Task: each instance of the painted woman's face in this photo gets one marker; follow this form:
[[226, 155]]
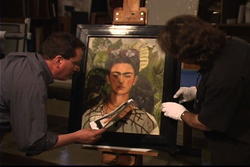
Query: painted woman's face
[[121, 78]]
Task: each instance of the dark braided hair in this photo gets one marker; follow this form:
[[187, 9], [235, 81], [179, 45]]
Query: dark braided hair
[[130, 56]]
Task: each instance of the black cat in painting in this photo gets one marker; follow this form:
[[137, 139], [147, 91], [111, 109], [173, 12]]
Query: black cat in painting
[[143, 94]]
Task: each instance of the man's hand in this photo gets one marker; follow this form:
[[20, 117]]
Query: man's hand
[[88, 136], [186, 94], [173, 110]]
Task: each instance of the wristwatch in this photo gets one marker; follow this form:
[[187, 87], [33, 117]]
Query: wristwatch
[[184, 112]]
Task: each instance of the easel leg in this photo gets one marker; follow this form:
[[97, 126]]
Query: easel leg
[[113, 159]]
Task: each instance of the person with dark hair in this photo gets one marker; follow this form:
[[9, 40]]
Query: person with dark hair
[[23, 92], [222, 97], [122, 73]]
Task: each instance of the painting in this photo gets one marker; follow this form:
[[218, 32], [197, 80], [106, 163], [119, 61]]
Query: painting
[[125, 61]]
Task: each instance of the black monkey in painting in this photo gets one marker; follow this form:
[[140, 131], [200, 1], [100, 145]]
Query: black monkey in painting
[[94, 92]]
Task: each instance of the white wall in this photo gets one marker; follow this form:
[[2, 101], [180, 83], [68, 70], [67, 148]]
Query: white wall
[[159, 11]]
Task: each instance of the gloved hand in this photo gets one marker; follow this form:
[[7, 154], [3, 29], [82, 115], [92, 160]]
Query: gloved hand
[[173, 110], [186, 94]]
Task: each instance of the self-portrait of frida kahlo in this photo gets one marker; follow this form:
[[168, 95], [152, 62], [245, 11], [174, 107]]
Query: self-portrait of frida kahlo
[[119, 69]]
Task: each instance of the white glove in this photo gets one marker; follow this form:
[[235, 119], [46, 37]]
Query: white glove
[[186, 94], [173, 110]]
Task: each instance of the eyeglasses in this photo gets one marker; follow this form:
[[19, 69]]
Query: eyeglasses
[[77, 64]]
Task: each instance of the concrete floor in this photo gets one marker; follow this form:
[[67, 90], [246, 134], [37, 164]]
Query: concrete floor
[[74, 154]]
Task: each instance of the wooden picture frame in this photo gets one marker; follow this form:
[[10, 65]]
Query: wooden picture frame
[[162, 71]]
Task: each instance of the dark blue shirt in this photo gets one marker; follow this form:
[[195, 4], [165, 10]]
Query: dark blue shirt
[[23, 92]]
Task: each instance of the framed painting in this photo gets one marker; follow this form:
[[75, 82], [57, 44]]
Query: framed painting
[[125, 61]]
